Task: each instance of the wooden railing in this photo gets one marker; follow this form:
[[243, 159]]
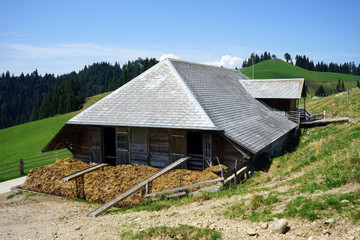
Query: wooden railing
[[22, 164], [294, 116]]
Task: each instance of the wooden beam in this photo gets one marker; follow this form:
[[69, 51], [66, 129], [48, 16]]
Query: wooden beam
[[179, 194], [235, 174], [68, 148], [82, 172], [184, 187]]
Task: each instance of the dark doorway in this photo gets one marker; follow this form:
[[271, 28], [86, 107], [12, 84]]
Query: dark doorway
[[194, 142], [109, 145], [195, 150]]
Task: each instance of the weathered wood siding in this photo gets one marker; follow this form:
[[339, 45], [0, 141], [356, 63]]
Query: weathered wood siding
[[152, 146], [159, 147], [178, 145], [224, 151], [139, 146], [82, 144], [122, 152]]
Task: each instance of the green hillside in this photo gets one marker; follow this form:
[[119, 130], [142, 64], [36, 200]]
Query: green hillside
[[276, 68], [26, 140]]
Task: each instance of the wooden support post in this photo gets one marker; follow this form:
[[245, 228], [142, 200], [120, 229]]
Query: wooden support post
[[147, 188], [236, 180], [348, 95], [222, 175], [332, 113], [21, 166], [179, 181]]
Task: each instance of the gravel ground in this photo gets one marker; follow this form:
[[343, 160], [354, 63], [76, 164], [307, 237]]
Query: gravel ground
[[52, 217]]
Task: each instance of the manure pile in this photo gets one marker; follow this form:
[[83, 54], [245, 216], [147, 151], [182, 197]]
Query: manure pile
[[107, 182]]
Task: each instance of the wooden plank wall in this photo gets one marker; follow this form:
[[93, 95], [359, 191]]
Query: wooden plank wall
[[138, 153], [225, 152], [159, 147], [83, 147]]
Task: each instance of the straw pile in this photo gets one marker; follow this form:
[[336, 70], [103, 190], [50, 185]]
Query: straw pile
[[107, 182]]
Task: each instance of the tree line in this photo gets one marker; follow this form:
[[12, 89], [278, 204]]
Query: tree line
[[346, 68], [32, 96], [254, 58]]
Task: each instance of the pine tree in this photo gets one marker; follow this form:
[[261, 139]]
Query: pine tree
[[338, 86], [320, 91], [342, 87]]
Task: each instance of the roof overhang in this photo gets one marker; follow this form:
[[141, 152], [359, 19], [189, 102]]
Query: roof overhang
[[63, 139]]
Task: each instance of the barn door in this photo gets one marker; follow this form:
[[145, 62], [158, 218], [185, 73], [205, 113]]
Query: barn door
[[122, 148], [207, 155], [178, 146], [95, 146]]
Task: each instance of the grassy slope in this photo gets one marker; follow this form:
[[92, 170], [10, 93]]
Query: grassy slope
[[27, 140], [337, 104], [312, 178], [277, 68]]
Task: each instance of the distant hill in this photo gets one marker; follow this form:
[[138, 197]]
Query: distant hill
[[276, 68]]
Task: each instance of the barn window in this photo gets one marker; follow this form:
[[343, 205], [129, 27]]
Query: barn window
[[95, 140], [121, 141], [139, 135]]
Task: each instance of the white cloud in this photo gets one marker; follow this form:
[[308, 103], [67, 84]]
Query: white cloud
[[169, 55], [227, 61], [74, 50]]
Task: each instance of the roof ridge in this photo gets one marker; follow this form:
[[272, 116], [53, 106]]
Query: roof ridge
[[202, 64], [272, 79], [190, 92]]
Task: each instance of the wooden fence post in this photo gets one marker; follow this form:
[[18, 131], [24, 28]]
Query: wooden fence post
[[21, 166], [180, 181], [348, 95]]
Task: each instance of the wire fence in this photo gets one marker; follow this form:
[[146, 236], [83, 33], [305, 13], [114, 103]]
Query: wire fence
[[25, 164]]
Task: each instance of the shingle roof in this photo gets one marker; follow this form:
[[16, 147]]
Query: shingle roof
[[274, 88], [178, 94], [156, 98], [230, 107]]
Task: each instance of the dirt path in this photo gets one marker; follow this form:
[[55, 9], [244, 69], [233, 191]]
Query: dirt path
[[50, 217]]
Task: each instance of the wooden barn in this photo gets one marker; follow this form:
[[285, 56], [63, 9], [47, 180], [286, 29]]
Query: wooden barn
[[178, 109]]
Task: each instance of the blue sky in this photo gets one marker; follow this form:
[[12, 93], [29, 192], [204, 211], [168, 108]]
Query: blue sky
[[63, 36]]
